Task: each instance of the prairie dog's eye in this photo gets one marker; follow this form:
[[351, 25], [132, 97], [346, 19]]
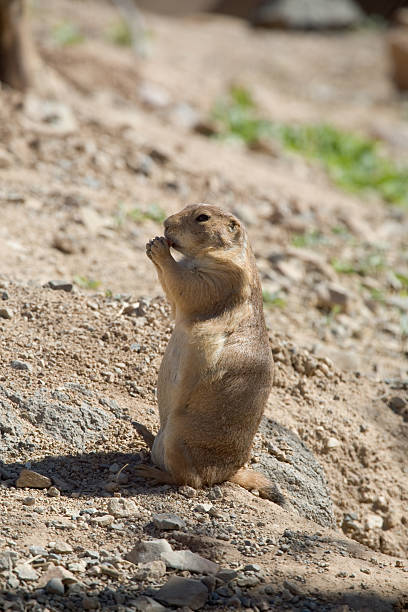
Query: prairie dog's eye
[[202, 218]]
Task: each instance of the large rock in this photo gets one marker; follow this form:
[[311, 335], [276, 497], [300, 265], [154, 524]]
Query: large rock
[[295, 470]]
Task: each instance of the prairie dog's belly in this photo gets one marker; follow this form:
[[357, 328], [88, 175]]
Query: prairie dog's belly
[[171, 372], [188, 356]]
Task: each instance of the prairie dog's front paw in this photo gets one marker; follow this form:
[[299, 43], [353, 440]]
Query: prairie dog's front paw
[[158, 249]]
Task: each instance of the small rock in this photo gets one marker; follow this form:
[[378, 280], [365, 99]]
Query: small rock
[[168, 521], [247, 581], [187, 491], [90, 603], [20, 365], [120, 507], [332, 443], [55, 586], [60, 285], [61, 548], [391, 520], [151, 571], [38, 550], [103, 521], [183, 592], [204, 508], [147, 604], [53, 492], [187, 560], [26, 572], [331, 295], [28, 501], [226, 575], [215, 493], [109, 570], [6, 313], [373, 521], [78, 567], [148, 550], [57, 571], [252, 567], [7, 560], [32, 480]]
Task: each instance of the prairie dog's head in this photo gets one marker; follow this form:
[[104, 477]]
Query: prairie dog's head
[[201, 229]]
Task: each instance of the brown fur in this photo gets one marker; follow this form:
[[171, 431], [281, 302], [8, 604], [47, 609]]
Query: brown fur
[[216, 373]]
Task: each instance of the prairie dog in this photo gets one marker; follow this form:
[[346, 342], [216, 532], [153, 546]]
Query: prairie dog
[[216, 373]]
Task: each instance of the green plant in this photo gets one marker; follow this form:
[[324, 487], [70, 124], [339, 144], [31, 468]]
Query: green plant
[[370, 264], [403, 279], [86, 283], [153, 212], [236, 117], [66, 33], [120, 33], [273, 298], [309, 239], [343, 266], [353, 162]]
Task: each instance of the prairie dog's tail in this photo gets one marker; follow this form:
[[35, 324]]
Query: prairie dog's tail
[[249, 479]]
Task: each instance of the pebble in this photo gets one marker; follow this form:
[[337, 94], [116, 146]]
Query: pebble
[[204, 508], [121, 507], [183, 592], [147, 604], [20, 365], [152, 570], [32, 480], [373, 521], [53, 492], [7, 559], [332, 443], [90, 603], [61, 548], [28, 501], [215, 493], [187, 491], [168, 521], [26, 572], [148, 550], [226, 575], [56, 586], [102, 521], [6, 313], [37, 550], [57, 571], [60, 285], [78, 567], [109, 570], [187, 560]]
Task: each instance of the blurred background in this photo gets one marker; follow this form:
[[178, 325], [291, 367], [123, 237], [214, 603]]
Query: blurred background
[[291, 113]]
